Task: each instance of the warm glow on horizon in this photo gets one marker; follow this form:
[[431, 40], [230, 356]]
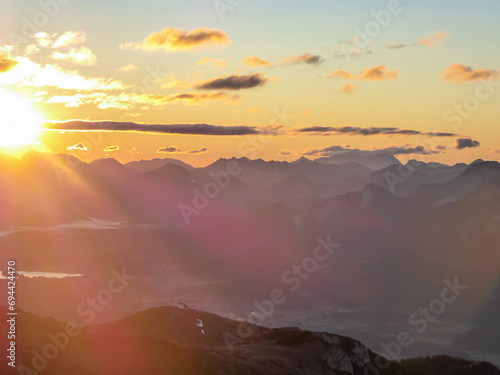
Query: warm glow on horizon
[[20, 122]]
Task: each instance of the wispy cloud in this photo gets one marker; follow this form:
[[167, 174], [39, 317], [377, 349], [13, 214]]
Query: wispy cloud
[[256, 61], [306, 58], [371, 131], [211, 62], [347, 151], [128, 68], [376, 73], [434, 39], [348, 88]]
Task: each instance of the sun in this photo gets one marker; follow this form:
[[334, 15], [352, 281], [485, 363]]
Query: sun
[[20, 123]]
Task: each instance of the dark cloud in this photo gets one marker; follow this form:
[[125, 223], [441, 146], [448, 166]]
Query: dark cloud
[[234, 82], [350, 130], [346, 151], [199, 151], [178, 150], [188, 129], [6, 63], [466, 143], [286, 153], [305, 58], [169, 150]]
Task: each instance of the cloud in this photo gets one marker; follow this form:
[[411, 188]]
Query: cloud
[[128, 68], [29, 73], [341, 74], [285, 153], [78, 146], [353, 48], [169, 150], [434, 39], [371, 131], [211, 62], [376, 73], [234, 82], [305, 58], [206, 129], [174, 40], [128, 101], [6, 63], [43, 39], [347, 88], [112, 148], [459, 73], [187, 129], [256, 61], [190, 98], [178, 150], [466, 143], [82, 56], [198, 151], [396, 45], [69, 38], [347, 151]]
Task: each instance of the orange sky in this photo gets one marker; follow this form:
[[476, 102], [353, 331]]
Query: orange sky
[[368, 77]]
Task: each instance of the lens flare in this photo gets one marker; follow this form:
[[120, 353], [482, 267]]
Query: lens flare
[[20, 123]]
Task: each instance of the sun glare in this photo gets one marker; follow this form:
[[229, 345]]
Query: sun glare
[[20, 123]]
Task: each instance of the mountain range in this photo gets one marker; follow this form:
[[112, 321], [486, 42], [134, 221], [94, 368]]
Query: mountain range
[[225, 235]]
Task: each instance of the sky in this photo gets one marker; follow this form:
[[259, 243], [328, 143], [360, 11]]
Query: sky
[[278, 80]]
